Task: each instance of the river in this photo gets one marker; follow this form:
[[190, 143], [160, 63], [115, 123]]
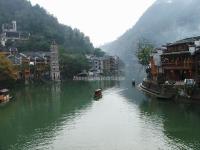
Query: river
[[65, 117]]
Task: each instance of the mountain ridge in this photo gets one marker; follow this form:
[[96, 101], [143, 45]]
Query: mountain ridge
[[165, 21]]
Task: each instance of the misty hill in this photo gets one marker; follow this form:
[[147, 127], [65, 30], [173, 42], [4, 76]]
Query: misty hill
[[165, 21], [43, 27]]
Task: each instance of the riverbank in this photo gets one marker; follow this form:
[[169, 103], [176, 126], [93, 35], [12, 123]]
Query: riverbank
[[176, 91]]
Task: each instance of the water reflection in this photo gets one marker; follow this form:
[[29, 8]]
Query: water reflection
[[180, 122], [177, 124], [39, 111], [65, 116]]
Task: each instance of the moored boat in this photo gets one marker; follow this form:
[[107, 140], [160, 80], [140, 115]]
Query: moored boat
[[163, 91], [4, 95]]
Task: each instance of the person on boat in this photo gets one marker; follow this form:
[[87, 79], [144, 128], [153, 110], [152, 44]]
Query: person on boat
[[133, 82], [98, 93]]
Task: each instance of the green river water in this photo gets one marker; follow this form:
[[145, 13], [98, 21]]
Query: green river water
[[65, 117]]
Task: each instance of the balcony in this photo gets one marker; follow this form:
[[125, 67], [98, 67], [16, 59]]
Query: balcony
[[177, 65]]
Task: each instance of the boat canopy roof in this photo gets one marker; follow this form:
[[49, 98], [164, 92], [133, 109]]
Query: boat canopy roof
[[98, 90], [4, 90]]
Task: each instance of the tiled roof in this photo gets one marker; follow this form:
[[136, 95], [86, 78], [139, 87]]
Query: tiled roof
[[187, 40], [10, 34], [15, 59], [40, 55]]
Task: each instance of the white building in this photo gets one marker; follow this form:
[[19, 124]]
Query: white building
[[54, 63], [9, 32], [96, 65], [106, 65]]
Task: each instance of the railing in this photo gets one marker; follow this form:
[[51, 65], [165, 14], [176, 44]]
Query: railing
[[178, 64], [175, 50]]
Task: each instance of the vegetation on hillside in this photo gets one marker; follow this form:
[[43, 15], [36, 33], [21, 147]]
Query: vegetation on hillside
[[160, 26], [98, 52], [43, 28], [71, 65]]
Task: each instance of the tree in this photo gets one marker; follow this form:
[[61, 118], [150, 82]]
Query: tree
[[98, 52], [144, 50], [73, 64], [8, 72]]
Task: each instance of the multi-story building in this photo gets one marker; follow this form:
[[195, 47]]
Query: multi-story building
[[39, 64], [178, 74], [110, 65], [9, 32], [35, 65], [107, 65], [179, 60], [96, 65], [29, 65], [21, 63]]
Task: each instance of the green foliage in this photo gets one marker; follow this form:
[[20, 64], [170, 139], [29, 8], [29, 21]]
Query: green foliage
[[43, 27], [73, 64], [144, 51], [98, 52], [8, 72]]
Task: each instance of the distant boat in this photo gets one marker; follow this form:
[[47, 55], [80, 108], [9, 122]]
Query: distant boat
[[4, 95], [133, 82], [98, 94]]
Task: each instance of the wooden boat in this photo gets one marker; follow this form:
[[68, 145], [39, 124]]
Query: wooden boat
[[160, 92], [153, 93], [4, 95], [98, 94]]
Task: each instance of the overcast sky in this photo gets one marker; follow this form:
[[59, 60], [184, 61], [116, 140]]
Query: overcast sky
[[102, 20]]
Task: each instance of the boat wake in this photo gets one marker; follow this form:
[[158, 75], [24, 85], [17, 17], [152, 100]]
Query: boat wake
[[114, 91]]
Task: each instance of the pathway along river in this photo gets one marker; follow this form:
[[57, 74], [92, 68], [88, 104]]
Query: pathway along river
[[65, 117]]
